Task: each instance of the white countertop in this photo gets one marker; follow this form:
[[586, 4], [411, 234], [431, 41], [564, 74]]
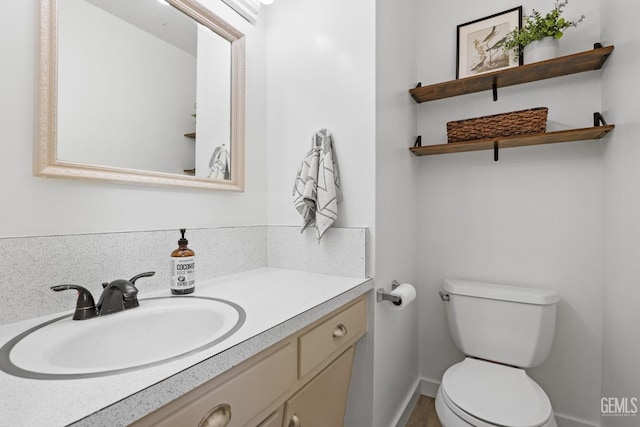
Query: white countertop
[[277, 303]]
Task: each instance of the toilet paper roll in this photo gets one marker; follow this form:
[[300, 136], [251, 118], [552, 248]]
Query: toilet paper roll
[[406, 292]]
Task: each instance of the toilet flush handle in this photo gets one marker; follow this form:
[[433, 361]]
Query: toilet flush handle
[[444, 296]]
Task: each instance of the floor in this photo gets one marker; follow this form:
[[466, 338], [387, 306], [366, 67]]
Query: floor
[[424, 414]]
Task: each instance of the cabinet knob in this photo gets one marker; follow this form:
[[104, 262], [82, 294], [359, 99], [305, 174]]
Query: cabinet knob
[[295, 421], [340, 331], [217, 417]]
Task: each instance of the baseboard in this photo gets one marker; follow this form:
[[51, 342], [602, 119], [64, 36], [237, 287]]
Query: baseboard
[[420, 386], [407, 406], [429, 387]]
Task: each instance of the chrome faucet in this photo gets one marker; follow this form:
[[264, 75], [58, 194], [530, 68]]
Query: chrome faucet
[[118, 295]]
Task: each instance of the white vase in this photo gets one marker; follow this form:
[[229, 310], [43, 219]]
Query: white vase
[[541, 50]]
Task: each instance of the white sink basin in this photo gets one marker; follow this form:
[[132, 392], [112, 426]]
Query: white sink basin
[[158, 331]]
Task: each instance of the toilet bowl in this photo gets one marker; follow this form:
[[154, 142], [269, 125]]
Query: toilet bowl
[[501, 330], [485, 394]]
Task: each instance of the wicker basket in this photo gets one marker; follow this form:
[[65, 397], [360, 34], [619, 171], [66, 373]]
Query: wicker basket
[[533, 120]]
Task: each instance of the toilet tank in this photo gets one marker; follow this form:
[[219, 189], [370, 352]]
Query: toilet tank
[[507, 324]]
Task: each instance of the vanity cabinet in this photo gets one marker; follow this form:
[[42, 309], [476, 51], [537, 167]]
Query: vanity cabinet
[[301, 380]]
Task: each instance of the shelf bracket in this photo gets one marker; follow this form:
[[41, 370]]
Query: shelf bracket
[[495, 151], [598, 119], [415, 98], [494, 87], [418, 142]]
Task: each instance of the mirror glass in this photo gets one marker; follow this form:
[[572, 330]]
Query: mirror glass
[[149, 91]]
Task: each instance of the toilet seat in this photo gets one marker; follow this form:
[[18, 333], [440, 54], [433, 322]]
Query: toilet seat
[[489, 394]]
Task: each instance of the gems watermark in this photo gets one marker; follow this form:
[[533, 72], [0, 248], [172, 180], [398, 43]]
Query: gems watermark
[[619, 406]]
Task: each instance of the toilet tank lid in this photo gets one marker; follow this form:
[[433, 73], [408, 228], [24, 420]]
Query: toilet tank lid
[[501, 292]]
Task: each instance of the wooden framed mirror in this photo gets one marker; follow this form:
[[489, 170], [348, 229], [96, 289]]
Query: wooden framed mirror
[[148, 92]]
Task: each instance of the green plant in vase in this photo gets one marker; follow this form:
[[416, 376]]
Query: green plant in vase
[[537, 27]]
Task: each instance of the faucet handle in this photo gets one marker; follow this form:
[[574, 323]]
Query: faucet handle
[[85, 305], [132, 303], [138, 276]]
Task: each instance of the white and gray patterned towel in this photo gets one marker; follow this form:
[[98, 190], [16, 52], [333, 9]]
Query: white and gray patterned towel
[[219, 164], [316, 191]]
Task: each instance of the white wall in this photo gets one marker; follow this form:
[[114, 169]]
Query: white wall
[[533, 219], [396, 332], [39, 206], [620, 94], [321, 73], [145, 86]]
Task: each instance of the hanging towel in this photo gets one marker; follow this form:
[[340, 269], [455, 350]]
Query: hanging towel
[[317, 187], [219, 164]]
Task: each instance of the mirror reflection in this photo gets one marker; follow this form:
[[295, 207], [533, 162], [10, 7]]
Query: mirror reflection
[[143, 87]]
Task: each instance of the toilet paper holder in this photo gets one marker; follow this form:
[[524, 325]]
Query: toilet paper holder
[[382, 295]]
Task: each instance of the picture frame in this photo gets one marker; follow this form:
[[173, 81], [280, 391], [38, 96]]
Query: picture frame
[[478, 44]]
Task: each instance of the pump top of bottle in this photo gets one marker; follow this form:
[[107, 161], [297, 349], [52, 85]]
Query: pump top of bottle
[[183, 241]]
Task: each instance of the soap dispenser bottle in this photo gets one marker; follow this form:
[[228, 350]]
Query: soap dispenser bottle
[[183, 271]]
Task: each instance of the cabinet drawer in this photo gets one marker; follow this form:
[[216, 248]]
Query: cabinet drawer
[[330, 336], [246, 394]]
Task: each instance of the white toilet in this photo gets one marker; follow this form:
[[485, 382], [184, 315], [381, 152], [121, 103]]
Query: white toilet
[[501, 330]]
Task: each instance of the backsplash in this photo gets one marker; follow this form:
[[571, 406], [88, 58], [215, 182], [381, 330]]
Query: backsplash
[[341, 251], [30, 265]]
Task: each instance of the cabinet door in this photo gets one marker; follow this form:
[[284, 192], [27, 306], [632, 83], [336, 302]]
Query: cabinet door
[[323, 401]]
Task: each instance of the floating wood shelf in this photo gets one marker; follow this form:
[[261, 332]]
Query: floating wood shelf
[[565, 65], [595, 132], [190, 135]]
